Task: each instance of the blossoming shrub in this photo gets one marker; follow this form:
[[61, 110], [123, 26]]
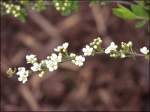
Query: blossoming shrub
[[61, 55]]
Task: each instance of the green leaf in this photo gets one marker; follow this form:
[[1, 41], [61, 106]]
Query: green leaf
[[139, 10], [124, 13], [140, 24]]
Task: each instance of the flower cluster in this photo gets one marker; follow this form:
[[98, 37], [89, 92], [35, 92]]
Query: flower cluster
[[65, 7], [52, 62], [111, 48], [77, 59], [126, 49], [23, 74], [16, 9], [31, 58], [62, 48], [93, 47], [12, 9], [61, 54]]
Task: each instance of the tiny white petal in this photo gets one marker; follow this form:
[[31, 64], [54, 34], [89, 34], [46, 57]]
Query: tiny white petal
[[87, 50], [95, 47], [111, 47], [65, 45], [79, 60], [144, 50], [36, 67], [72, 55], [31, 58]]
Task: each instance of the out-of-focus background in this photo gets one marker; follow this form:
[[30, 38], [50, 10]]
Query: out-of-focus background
[[101, 84]]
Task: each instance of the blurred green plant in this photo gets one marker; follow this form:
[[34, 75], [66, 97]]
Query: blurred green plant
[[66, 7], [136, 12], [18, 9], [13, 9]]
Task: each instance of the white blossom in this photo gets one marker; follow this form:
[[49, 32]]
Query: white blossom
[[99, 40], [111, 47], [123, 55], [56, 4], [144, 50], [129, 43], [23, 78], [63, 47], [95, 46], [125, 45], [51, 65], [21, 71], [72, 55], [43, 62], [36, 67], [31, 58], [87, 50], [23, 74], [79, 60], [56, 58], [41, 74]]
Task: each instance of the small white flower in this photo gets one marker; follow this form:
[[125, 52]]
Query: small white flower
[[72, 55], [56, 58], [23, 74], [79, 60], [87, 50], [31, 58], [63, 47], [65, 4], [63, 8], [144, 50], [23, 78], [58, 49], [51, 65], [111, 47], [95, 46], [56, 4], [18, 7], [92, 43], [41, 74], [99, 39], [21, 71], [123, 55], [36, 67], [58, 8], [129, 43]]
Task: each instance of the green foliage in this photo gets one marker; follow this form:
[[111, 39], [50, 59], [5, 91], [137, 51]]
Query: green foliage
[[66, 7], [14, 10], [137, 12], [39, 5], [140, 24], [124, 13], [18, 8]]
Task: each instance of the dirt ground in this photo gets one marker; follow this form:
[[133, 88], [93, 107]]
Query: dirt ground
[[101, 84]]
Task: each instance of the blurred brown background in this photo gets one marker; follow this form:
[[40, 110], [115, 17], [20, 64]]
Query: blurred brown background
[[101, 84]]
